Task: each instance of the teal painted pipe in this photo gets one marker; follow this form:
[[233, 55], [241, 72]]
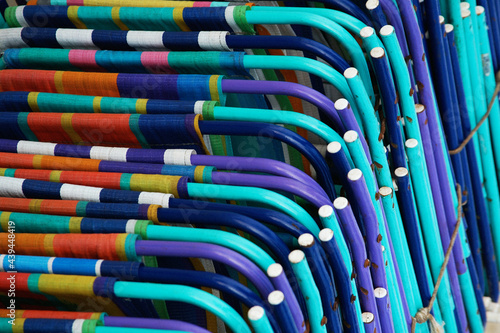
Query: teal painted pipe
[[180, 293], [494, 122], [350, 23], [473, 316], [326, 235], [384, 178], [280, 117], [309, 289], [406, 101], [361, 162], [347, 21], [218, 237], [317, 19], [370, 40], [490, 82], [304, 64], [329, 220], [372, 127], [330, 223], [455, 17], [403, 83], [430, 231], [472, 8], [270, 198], [372, 189], [402, 251], [486, 150], [258, 319], [407, 104], [477, 83]]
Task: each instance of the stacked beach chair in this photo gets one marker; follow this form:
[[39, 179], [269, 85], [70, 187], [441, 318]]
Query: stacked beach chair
[[273, 166]]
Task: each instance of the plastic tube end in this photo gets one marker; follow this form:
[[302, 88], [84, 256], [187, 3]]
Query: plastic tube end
[[366, 32], [372, 4], [387, 30], [276, 297], [256, 313], [341, 104], [351, 73], [325, 211], [350, 136], [326, 235], [296, 256], [380, 292], [367, 317], [334, 147], [340, 203], [419, 108], [274, 270], [355, 174], [306, 240], [377, 52], [401, 172], [385, 191], [411, 143]]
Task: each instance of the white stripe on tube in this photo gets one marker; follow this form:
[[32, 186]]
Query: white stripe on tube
[[98, 265], [109, 154], [178, 156], [130, 226], [152, 198], [2, 258], [50, 264], [80, 193], [76, 39], [198, 107], [77, 326], [11, 38], [213, 40], [229, 15], [20, 17], [146, 40], [11, 187], [40, 148]]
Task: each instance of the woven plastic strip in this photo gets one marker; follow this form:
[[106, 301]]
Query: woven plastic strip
[[54, 224], [20, 101], [95, 246], [59, 285], [44, 325], [71, 266], [168, 87], [100, 3], [136, 62], [161, 156], [130, 3], [53, 314], [117, 181], [113, 40], [135, 131], [127, 18], [26, 188], [80, 208], [198, 174], [73, 285]]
